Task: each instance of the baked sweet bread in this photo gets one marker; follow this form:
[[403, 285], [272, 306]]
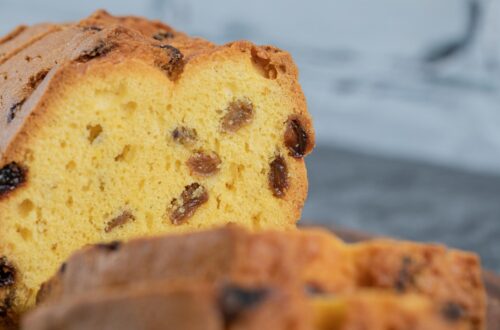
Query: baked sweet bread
[[117, 127], [311, 260], [224, 306]]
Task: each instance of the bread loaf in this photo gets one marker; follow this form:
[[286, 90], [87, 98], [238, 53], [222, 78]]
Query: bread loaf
[[117, 127], [312, 260]]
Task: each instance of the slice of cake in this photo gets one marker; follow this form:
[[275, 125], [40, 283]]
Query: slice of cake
[[116, 127], [310, 260], [226, 306]]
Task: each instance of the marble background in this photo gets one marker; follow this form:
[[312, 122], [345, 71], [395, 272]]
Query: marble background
[[405, 97]]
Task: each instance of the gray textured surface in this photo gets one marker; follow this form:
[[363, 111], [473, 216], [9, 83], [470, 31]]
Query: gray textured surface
[[404, 199]]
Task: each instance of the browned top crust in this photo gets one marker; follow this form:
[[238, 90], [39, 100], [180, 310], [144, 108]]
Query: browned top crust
[[31, 59]]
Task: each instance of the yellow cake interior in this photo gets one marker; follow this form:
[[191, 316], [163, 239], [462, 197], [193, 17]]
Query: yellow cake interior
[[105, 150]]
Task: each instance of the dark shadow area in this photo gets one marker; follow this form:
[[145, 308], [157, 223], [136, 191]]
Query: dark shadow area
[[405, 199]]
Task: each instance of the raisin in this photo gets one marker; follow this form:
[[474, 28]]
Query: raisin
[[184, 135], [92, 28], [174, 66], [62, 269], [4, 308], [239, 113], [452, 311], [313, 289], [7, 273], [234, 300], [262, 63], [111, 246], [405, 276], [101, 48], [36, 79], [13, 110], [296, 138], [204, 164], [193, 196], [278, 177], [12, 175], [162, 35], [119, 221], [8, 319]]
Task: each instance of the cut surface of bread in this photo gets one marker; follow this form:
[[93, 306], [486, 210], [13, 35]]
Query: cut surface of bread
[[201, 305], [112, 128], [312, 260]]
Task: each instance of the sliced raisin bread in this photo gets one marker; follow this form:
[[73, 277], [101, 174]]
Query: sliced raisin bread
[[224, 306], [312, 260], [117, 127]]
